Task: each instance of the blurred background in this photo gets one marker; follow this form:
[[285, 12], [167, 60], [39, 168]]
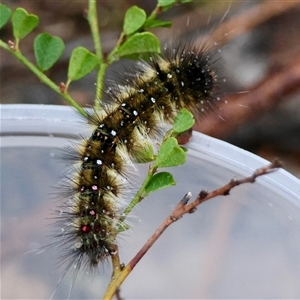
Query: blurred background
[[259, 45], [236, 248]]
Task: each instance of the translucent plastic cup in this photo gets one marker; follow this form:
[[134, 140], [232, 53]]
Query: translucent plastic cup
[[245, 245]]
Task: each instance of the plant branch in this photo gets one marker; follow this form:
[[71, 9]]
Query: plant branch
[[183, 208], [93, 21], [115, 258], [42, 77], [140, 193]]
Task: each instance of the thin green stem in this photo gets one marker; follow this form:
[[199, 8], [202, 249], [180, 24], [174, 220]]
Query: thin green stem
[[141, 194], [43, 78], [156, 11], [111, 56], [93, 21], [116, 283], [100, 84]]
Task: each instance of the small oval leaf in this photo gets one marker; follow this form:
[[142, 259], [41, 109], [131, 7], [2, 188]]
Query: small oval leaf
[[47, 50], [5, 13], [23, 23], [183, 121], [82, 62], [159, 181], [170, 154], [135, 18], [138, 43]]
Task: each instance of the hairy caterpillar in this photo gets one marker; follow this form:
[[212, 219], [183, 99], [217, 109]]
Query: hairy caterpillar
[[135, 114]]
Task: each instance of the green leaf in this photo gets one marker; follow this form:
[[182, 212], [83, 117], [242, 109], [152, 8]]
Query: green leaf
[[138, 43], [135, 18], [23, 23], [164, 3], [183, 121], [159, 181], [154, 23], [170, 154], [82, 62], [5, 13], [47, 50]]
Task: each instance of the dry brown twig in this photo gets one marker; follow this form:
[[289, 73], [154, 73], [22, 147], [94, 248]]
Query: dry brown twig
[[182, 208]]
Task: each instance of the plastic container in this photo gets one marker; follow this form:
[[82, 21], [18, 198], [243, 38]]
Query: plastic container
[[245, 245]]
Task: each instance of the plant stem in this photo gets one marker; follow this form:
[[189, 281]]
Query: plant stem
[[100, 84], [140, 193], [115, 259], [116, 283], [181, 209], [93, 21], [43, 78]]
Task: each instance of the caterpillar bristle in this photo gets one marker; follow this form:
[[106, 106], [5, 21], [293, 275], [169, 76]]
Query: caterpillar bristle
[[135, 115]]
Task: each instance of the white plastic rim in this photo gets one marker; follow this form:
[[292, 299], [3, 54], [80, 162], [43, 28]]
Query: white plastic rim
[[245, 245], [63, 121]]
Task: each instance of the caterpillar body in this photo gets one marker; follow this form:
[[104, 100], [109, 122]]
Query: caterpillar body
[[134, 114]]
